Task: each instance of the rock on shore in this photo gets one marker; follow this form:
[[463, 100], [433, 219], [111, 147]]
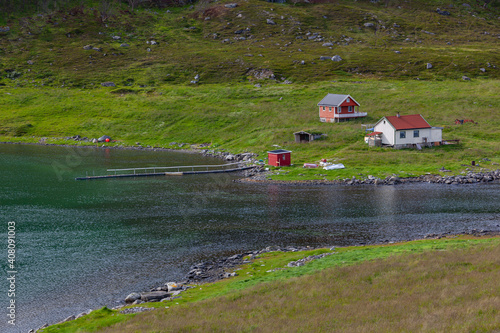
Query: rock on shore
[[469, 178]]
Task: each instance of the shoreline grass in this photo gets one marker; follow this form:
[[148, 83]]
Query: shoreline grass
[[240, 118], [437, 285]]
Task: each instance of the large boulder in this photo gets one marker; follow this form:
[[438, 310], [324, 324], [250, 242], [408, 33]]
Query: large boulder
[[154, 296], [132, 297]]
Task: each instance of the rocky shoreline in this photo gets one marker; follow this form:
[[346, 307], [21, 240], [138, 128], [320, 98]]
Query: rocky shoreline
[[470, 178]]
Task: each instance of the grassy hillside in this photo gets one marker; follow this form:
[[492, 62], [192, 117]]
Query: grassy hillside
[[432, 285], [50, 86], [235, 44], [245, 118]]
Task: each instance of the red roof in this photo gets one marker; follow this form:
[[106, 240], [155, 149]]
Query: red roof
[[411, 121], [374, 133]]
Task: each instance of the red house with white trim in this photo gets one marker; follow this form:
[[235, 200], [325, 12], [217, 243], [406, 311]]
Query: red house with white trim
[[279, 157], [336, 108]]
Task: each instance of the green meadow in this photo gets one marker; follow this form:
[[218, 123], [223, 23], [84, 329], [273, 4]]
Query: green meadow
[[433, 285], [259, 77], [242, 118]]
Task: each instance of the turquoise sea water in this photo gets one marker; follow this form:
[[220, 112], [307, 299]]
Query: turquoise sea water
[[84, 244]]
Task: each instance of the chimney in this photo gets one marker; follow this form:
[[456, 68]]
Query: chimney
[[398, 115]]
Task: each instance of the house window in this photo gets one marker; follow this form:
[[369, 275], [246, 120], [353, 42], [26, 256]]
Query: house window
[[416, 133], [348, 99], [350, 109], [330, 109], [402, 135], [339, 109], [324, 108], [284, 157]]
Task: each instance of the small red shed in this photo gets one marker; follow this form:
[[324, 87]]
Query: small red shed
[[279, 157]]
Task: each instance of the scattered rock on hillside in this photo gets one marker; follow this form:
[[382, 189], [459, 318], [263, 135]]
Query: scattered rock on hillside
[[369, 25], [104, 138], [260, 74], [116, 37], [324, 58], [231, 5], [269, 21], [443, 12], [328, 44], [482, 69], [465, 78], [87, 47], [30, 62], [4, 29], [336, 58], [108, 84], [428, 66], [137, 309], [124, 45]]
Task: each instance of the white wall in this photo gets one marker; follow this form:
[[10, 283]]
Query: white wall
[[436, 134], [423, 133], [387, 131]]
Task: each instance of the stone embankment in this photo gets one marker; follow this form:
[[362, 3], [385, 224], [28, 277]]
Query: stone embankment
[[243, 157], [469, 178]]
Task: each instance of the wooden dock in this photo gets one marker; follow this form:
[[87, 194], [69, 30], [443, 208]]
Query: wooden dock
[[171, 171]]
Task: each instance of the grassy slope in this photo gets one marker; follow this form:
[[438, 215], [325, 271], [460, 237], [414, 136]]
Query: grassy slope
[[243, 117], [60, 93], [431, 285]]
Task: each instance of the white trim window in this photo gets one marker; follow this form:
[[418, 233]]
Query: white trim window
[[349, 109], [402, 135], [416, 133]]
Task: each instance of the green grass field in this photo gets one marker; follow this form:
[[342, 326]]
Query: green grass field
[[242, 118], [50, 86], [428, 285]]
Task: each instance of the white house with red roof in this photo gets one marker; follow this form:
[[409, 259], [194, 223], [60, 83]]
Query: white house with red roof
[[407, 131], [335, 108]]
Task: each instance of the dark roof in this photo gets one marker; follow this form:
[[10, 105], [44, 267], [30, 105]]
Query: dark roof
[[334, 100], [279, 151], [412, 121]]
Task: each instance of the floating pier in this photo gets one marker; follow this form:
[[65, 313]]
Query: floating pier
[[171, 171]]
